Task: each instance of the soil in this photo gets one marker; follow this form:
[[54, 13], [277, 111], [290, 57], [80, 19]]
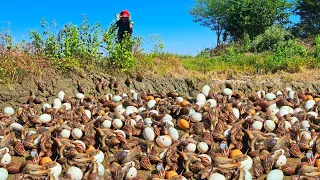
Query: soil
[[16, 94]]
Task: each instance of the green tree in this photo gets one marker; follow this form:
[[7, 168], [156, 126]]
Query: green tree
[[309, 12], [235, 18]]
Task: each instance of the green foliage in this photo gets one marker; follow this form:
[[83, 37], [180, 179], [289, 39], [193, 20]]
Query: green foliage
[[269, 39], [309, 24], [158, 45], [235, 18], [6, 41], [316, 50]]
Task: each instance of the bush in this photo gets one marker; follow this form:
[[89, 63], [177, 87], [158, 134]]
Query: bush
[[269, 39], [317, 47]]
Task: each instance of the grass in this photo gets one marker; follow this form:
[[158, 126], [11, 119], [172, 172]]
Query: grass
[[73, 49]]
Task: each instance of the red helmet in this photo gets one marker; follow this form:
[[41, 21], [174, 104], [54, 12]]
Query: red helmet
[[125, 13]]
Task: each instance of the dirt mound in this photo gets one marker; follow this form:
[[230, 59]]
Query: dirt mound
[[17, 94]]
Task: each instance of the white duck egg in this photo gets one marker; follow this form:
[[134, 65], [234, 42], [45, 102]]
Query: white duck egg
[[196, 117], [67, 105], [227, 91], [283, 112], [135, 96], [156, 112], [147, 121], [179, 99], [88, 113], [248, 175], [99, 157], [309, 104], [191, 147], [173, 133], [305, 124], [275, 174], [191, 111], [6, 159], [117, 123], [106, 123], [80, 96], [282, 160], [61, 95], [132, 173], [269, 125], [202, 147], [8, 111], [75, 173], [247, 163], [291, 94], [151, 103], [45, 118], [129, 110], [217, 176], [167, 117], [77, 133], [16, 126], [201, 98], [213, 103], [101, 169], [65, 133], [164, 141], [257, 125], [119, 108], [56, 170], [270, 96], [148, 134], [57, 103], [236, 112], [206, 90], [3, 174], [117, 98]]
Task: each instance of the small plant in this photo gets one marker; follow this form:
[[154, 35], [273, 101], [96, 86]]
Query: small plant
[[317, 47]]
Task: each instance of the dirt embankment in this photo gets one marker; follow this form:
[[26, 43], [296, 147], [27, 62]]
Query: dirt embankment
[[16, 94]]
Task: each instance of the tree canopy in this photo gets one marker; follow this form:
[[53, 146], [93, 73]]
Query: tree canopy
[[232, 19], [309, 12]]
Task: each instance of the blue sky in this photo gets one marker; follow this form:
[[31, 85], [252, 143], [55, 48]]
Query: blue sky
[[170, 19]]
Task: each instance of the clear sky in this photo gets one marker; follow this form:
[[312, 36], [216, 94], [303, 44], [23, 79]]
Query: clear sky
[[168, 18]]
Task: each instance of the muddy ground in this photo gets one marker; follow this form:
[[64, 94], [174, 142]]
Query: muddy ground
[[16, 94]]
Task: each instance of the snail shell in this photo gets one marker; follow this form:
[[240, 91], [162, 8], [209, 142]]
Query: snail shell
[[132, 173], [151, 103], [257, 125], [269, 125], [309, 104], [6, 159], [213, 103], [201, 98], [67, 105], [56, 170], [247, 163], [282, 160]]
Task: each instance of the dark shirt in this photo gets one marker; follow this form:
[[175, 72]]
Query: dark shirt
[[124, 26]]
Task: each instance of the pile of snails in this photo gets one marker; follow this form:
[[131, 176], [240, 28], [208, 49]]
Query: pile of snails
[[215, 136]]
